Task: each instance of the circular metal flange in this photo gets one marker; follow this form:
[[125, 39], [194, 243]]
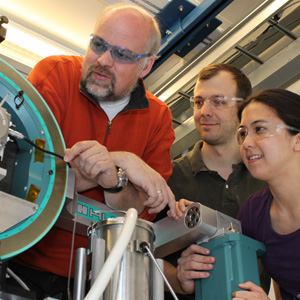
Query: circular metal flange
[[33, 118], [192, 217]]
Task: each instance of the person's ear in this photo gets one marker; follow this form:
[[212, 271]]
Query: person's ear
[[148, 66], [297, 142]]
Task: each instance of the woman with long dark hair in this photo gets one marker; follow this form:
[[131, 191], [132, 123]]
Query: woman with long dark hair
[[269, 136]]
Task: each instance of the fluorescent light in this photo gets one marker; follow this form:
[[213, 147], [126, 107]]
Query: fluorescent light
[[28, 47], [31, 43]]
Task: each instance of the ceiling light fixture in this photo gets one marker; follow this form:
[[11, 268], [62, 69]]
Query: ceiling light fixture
[[28, 47]]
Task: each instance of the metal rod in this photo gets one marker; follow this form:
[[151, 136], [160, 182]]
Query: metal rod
[[144, 246], [185, 95], [249, 54], [80, 274], [158, 284], [283, 29], [176, 121]]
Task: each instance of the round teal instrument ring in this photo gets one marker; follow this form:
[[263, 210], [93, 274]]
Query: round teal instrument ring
[[33, 119]]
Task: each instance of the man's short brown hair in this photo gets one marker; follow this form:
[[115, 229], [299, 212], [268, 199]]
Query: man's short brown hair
[[244, 88]]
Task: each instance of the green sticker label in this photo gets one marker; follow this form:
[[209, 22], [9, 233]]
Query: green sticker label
[[93, 213]]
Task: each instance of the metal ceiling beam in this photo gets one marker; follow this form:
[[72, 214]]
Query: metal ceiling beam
[[184, 25], [279, 69], [230, 40]]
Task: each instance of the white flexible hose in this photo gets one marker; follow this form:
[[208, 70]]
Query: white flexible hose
[[18, 279], [114, 257]]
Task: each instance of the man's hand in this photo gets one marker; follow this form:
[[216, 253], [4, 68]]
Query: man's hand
[[252, 291], [147, 180], [189, 265], [93, 164]]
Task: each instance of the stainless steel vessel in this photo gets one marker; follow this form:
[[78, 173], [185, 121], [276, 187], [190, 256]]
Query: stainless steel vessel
[[133, 276]]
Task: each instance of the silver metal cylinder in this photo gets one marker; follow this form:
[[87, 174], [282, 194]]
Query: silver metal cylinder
[[158, 281], [132, 279], [80, 274], [98, 247]]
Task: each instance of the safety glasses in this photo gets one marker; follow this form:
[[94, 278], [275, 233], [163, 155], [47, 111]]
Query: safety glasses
[[261, 130], [118, 54], [215, 102]]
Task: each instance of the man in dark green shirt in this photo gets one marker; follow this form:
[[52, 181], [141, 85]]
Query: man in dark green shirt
[[193, 180], [212, 173]]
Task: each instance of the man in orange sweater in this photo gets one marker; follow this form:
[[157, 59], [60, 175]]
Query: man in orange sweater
[[105, 115]]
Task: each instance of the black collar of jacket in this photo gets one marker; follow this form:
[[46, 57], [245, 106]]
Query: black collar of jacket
[[138, 99]]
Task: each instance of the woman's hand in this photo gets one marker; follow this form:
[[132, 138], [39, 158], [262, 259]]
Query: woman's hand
[[180, 208], [252, 291]]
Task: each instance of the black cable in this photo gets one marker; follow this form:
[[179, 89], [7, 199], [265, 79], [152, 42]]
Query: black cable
[[41, 149], [44, 150], [20, 136]]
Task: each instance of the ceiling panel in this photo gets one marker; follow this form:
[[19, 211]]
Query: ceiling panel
[[68, 22]]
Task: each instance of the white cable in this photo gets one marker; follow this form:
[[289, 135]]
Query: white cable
[[18, 279], [4, 99], [15, 134], [114, 257]]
